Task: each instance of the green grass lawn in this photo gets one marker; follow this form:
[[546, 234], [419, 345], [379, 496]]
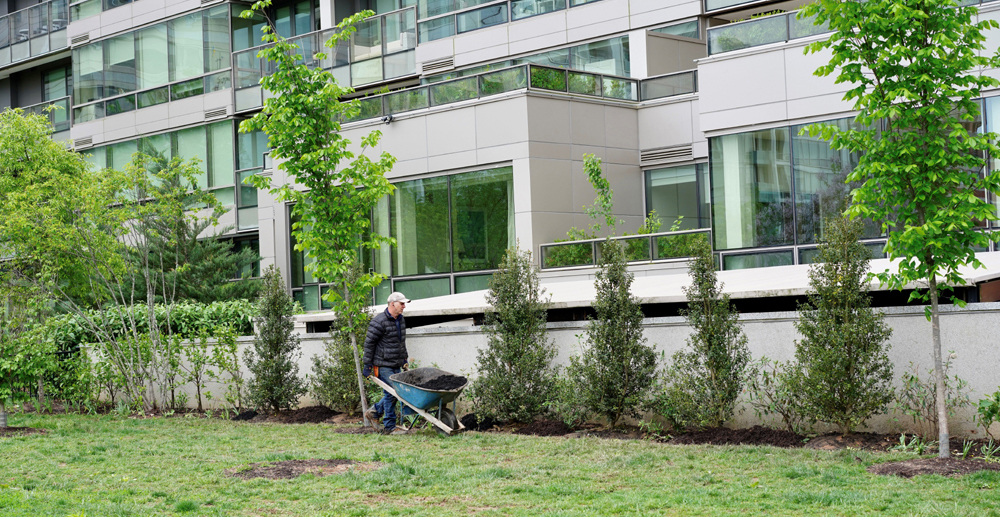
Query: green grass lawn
[[110, 466]]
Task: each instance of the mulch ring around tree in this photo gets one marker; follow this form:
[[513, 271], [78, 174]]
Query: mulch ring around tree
[[756, 435], [20, 431], [940, 466], [294, 468]]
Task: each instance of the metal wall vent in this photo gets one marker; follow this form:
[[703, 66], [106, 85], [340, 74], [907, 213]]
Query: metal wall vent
[[218, 112], [81, 143], [83, 38], [667, 155], [438, 66]]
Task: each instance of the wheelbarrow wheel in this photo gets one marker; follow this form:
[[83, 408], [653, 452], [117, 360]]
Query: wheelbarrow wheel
[[448, 417]]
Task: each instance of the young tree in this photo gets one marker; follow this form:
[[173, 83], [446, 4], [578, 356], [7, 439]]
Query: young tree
[[913, 67], [702, 384], [515, 374], [617, 368], [273, 360], [843, 374], [333, 190], [22, 354]]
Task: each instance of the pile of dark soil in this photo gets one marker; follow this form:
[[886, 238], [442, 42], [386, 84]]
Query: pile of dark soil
[[941, 466], [245, 416], [305, 415], [445, 383], [472, 423], [294, 468], [20, 431], [545, 428], [756, 435]]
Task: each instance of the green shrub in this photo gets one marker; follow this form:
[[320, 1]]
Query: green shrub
[[514, 370], [843, 373], [566, 402], [988, 411], [770, 393], [917, 398], [699, 389], [548, 79], [617, 368], [334, 379], [273, 359]]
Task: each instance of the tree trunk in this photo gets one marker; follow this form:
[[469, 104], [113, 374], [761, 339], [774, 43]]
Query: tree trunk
[[944, 441], [3, 415], [357, 364], [41, 394]]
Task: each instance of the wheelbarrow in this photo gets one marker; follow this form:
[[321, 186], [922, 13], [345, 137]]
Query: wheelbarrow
[[405, 387]]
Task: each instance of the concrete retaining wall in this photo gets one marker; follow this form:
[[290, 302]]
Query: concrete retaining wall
[[971, 332]]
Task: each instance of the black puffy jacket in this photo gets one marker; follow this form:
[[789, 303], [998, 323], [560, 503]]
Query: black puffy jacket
[[384, 346]]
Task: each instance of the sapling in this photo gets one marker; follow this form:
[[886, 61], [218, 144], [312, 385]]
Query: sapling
[[273, 358]]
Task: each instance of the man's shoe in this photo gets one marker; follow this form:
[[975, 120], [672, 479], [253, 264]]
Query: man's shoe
[[373, 416], [400, 431]]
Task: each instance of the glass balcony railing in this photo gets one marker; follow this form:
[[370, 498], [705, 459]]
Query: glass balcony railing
[[33, 32], [59, 117], [380, 50], [532, 77], [761, 31], [638, 248]]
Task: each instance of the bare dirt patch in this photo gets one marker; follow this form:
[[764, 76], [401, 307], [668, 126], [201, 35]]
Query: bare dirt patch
[[545, 428], [292, 469], [20, 431], [756, 435], [941, 466], [860, 441], [355, 430], [305, 415]]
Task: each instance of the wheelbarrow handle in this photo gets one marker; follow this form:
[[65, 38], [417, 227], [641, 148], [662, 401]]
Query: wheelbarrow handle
[[430, 418]]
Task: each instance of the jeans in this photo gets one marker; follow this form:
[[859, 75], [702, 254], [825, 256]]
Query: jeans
[[387, 406]]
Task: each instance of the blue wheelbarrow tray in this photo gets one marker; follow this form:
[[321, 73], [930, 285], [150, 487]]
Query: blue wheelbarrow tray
[[406, 385]]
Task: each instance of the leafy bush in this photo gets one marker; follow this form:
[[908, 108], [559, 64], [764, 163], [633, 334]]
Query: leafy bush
[[515, 375], [988, 411], [273, 359], [701, 386], [334, 379], [617, 368], [502, 81], [566, 401], [769, 393], [917, 397], [454, 91], [548, 79], [843, 373]]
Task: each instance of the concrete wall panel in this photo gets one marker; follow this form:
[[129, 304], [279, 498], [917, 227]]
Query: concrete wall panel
[[665, 125]]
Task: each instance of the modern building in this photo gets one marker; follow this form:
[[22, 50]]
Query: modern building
[[694, 106]]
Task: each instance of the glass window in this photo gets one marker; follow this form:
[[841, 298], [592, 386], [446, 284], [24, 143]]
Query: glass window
[[88, 113], [19, 34], [752, 189], [39, 16], [481, 18], [603, 57], [218, 82], [398, 65], [246, 33], [428, 8], [96, 157], [88, 73], [424, 288], [191, 144], [525, 8], [158, 147], [220, 157], [679, 193], [420, 226], [755, 260], [187, 54], [85, 9], [56, 83], [437, 29], [400, 31], [557, 58], [303, 18], [120, 154], [217, 51], [153, 97], [252, 147], [283, 22], [821, 190], [366, 72], [120, 105], [469, 283], [151, 43], [367, 41], [482, 218], [187, 89], [119, 65]]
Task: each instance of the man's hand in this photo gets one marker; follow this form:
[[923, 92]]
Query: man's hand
[[367, 370], [406, 367]]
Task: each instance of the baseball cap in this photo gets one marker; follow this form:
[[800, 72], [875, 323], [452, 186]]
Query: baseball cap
[[397, 297]]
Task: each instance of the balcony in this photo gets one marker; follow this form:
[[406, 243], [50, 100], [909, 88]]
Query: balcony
[[755, 32], [382, 49], [679, 245], [33, 32], [58, 117], [530, 77]]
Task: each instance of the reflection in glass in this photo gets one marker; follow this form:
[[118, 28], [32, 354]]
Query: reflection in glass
[[152, 56], [367, 41], [752, 189], [187, 56], [755, 260], [119, 105], [153, 97], [400, 31], [424, 288], [220, 153], [217, 50], [480, 18], [603, 57], [525, 8], [679, 194], [437, 29], [88, 73], [419, 224], [482, 218], [191, 144], [119, 65], [686, 29]]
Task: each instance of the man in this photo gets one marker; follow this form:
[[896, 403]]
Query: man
[[385, 355]]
